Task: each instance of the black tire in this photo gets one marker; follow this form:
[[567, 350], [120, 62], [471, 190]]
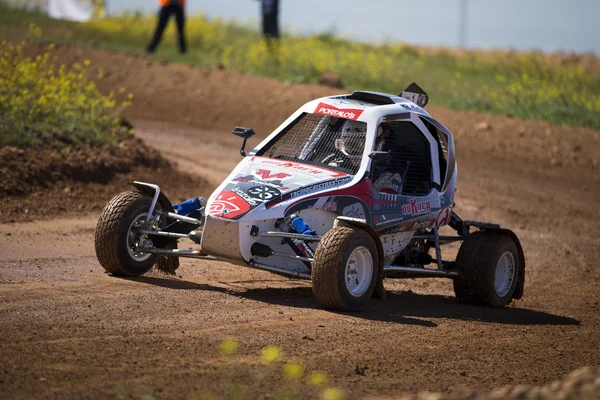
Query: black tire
[[112, 233], [478, 258], [329, 268]]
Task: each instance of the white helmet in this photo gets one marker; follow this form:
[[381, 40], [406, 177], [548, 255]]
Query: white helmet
[[383, 132], [352, 140]]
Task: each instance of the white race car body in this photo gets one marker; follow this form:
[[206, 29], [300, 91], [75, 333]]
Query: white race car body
[[349, 190], [262, 190]]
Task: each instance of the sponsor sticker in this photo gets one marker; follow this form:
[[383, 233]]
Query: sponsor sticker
[[251, 179], [263, 192], [246, 197], [267, 174], [355, 210], [228, 205], [332, 111], [309, 189], [319, 186], [330, 206], [416, 208], [413, 107], [444, 217]]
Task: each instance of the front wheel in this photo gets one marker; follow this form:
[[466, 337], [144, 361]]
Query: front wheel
[[489, 264], [345, 269], [117, 235]]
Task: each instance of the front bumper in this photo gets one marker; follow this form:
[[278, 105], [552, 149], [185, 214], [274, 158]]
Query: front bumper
[[221, 238]]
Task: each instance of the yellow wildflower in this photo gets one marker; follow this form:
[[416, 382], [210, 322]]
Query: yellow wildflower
[[228, 346], [317, 378], [270, 354], [293, 370], [332, 394]]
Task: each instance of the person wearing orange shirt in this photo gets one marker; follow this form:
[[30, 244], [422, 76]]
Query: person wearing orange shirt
[[167, 8]]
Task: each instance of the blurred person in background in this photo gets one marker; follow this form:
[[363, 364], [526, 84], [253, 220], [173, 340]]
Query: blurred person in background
[[270, 19], [168, 7]]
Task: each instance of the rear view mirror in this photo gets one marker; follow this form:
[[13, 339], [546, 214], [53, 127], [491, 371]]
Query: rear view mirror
[[380, 156], [242, 132], [245, 133]]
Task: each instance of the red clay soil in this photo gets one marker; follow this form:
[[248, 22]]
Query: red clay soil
[[41, 183], [27, 170], [72, 331]]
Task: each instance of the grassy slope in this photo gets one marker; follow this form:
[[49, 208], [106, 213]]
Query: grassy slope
[[528, 85]]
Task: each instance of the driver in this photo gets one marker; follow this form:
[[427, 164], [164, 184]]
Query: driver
[[387, 179], [350, 146]]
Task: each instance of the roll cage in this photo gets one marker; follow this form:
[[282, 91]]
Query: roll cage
[[422, 149]]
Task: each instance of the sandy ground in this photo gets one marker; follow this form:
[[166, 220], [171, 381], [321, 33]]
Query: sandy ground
[[71, 331]]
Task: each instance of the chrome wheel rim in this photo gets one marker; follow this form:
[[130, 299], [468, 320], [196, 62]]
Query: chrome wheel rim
[[359, 271], [133, 238], [505, 273]]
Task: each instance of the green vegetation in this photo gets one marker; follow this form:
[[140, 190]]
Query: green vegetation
[[528, 85], [43, 103]]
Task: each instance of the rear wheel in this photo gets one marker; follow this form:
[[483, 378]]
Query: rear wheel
[[489, 265], [345, 269], [118, 235]]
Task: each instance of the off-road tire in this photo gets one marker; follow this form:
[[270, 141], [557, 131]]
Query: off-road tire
[[329, 266], [111, 235], [477, 259]]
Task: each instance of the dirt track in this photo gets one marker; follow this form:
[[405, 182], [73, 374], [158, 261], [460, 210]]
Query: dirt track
[[71, 331]]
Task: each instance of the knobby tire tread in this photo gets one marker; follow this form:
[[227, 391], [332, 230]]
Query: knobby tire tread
[[107, 232], [324, 271], [474, 259], [328, 269]]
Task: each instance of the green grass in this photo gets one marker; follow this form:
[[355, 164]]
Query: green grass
[[527, 85], [43, 103]]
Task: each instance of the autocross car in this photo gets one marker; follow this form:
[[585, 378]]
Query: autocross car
[[349, 190]]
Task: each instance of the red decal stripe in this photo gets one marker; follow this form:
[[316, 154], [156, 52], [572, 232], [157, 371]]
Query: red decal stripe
[[332, 111]]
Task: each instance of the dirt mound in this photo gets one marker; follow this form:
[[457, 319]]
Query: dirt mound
[[583, 384], [43, 182], [26, 170]]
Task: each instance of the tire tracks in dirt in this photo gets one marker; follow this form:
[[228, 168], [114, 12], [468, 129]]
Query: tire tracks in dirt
[[75, 322]]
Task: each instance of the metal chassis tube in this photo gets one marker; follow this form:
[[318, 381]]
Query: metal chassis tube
[[270, 268], [176, 252], [288, 235], [416, 272], [154, 199]]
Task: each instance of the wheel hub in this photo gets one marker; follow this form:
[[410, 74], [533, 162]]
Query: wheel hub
[[359, 271], [134, 238], [505, 273]]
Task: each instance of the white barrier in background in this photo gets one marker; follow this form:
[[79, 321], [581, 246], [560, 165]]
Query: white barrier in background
[[74, 10]]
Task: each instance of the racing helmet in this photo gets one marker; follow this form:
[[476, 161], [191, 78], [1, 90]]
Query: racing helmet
[[352, 140], [383, 132]]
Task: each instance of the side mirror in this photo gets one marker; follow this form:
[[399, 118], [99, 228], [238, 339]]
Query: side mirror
[[245, 133], [380, 156]]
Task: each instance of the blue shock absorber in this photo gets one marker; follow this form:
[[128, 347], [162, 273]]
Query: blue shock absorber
[[301, 226], [187, 206]]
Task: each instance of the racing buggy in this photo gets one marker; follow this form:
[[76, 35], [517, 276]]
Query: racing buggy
[[349, 190]]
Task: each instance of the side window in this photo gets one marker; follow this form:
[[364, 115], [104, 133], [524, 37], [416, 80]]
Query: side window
[[409, 171], [441, 138]]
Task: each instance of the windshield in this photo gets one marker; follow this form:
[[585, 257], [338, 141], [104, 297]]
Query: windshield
[[321, 140]]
